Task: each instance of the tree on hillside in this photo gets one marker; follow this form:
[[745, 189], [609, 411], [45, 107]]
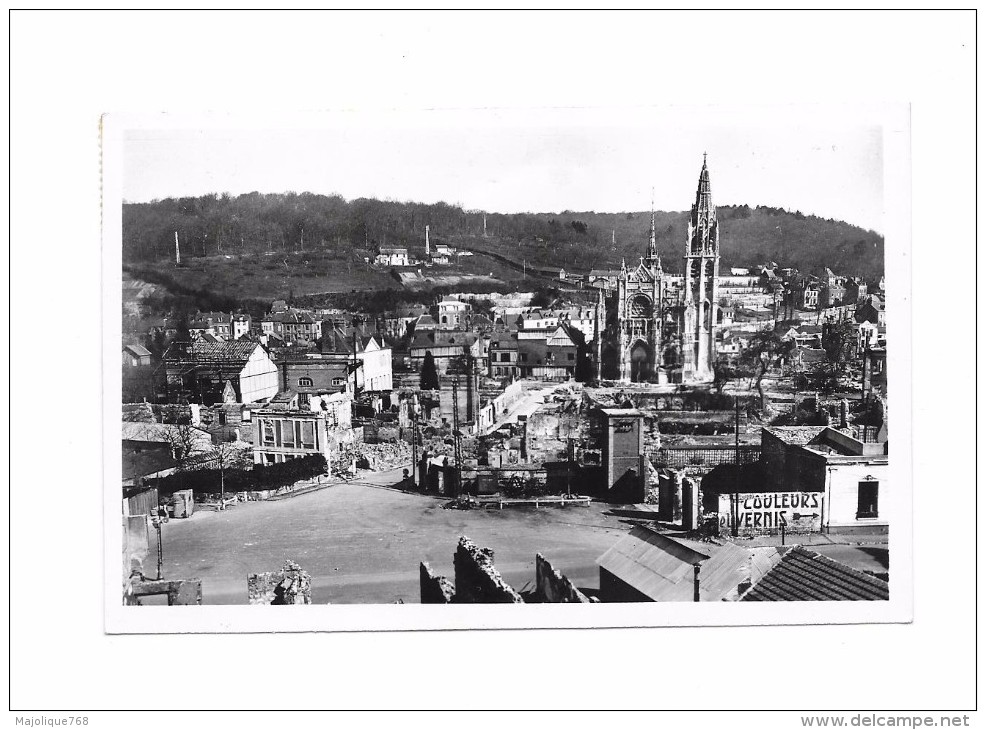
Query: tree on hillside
[[429, 373], [839, 369], [726, 371], [544, 297], [839, 340], [765, 349]]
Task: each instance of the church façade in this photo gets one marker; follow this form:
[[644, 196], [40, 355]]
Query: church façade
[[661, 327]]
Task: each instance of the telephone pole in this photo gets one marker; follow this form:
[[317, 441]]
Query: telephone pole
[[455, 435]]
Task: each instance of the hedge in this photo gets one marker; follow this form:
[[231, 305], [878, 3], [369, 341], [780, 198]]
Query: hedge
[[207, 481]]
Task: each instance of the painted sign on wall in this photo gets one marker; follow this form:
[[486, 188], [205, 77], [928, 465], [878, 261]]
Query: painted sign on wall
[[767, 512]]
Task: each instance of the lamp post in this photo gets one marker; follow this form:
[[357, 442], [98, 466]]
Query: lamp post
[[156, 521]]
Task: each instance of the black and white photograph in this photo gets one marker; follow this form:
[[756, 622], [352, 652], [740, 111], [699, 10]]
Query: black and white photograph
[[507, 358], [460, 332]]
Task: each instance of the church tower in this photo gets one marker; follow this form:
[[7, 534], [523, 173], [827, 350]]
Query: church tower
[[701, 290], [639, 294]]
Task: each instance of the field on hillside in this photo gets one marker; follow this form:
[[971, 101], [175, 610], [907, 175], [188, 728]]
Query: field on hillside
[[275, 277]]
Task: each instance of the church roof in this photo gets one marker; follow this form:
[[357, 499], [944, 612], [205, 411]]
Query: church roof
[[641, 273]]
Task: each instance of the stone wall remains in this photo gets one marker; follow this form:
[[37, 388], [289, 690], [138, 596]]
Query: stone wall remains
[[476, 578], [435, 588], [553, 587]]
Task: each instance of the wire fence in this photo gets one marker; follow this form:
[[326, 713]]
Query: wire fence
[[679, 458]]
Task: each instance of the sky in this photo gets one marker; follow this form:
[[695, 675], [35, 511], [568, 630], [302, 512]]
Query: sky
[[824, 162]]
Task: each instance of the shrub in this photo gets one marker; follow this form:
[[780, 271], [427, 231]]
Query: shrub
[[207, 481]]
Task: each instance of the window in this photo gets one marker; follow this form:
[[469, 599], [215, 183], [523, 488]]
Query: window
[[869, 490], [287, 433], [267, 430], [523, 357], [338, 381], [306, 435], [504, 357], [571, 356], [305, 382]]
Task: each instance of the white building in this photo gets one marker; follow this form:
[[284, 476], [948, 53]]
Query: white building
[[393, 257]]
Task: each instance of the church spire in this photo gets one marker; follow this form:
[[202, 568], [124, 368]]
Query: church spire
[[653, 259], [703, 198]]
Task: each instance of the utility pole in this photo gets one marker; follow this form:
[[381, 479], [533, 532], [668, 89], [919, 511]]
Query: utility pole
[[414, 440], [862, 384], [736, 400], [177, 251], [455, 435], [355, 365]]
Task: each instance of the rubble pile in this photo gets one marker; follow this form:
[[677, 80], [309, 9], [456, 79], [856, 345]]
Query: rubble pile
[[285, 587], [384, 456]]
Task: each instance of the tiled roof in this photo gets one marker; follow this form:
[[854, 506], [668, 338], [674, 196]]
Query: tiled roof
[[292, 316], [503, 340], [440, 338], [336, 341], [804, 575], [138, 350], [233, 351]]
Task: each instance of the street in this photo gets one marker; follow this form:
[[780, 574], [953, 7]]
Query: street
[[362, 542]]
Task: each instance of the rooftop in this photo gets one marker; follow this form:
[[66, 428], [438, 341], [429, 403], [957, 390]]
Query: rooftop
[[231, 351], [663, 568], [138, 350], [804, 575], [795, 435]]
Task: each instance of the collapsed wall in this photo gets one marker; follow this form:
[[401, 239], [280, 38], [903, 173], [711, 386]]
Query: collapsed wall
[[476, 578], [552, 586], [288, 586], [435, 588]]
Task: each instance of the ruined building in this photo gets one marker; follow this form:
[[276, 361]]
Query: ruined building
[[660, 327]]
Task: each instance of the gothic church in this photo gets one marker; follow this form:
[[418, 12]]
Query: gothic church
[[660, 327]]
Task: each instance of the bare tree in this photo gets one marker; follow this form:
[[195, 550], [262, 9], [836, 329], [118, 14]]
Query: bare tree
[[184, 441], [223, 454]]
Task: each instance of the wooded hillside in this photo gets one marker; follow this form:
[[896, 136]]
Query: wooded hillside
[[213, 225]]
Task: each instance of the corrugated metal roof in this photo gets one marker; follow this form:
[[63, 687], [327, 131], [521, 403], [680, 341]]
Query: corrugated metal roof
[[723, 572], [138, 350], [804, 575], [663, 567], [653, 564]]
